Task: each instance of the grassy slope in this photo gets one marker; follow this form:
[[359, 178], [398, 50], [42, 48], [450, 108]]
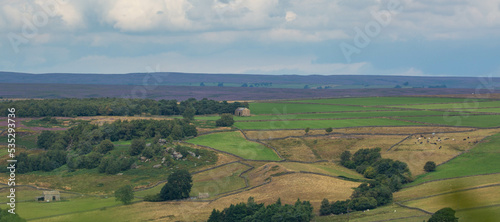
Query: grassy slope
[[235, 143], [317, 124], [480, 160]]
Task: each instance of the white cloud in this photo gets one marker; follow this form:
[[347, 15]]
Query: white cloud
[[290, 16]]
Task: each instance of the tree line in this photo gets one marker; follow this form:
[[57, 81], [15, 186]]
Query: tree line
[[387, 176], [71, 107], [301, 211]]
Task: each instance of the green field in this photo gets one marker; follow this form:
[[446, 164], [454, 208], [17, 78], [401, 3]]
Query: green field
[[30, 210], [380, 101], [389, 213], [336, 115], [485, 110], [480, 160], [464, 104], [465, 120], [287, 108], [235, 143], [319, 124]]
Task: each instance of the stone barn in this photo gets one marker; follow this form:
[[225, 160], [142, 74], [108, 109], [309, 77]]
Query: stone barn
[[242, 111], [50, 196]]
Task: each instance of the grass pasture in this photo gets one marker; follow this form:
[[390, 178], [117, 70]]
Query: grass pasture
[[30, 210], [381, 101], [483, 121], [287, 108], [443, 186], [235, 143], [463, 104], [481, 159], [459, 200], [320, 124]]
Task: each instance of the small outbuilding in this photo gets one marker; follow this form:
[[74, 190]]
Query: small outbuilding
[[242, 111], [48, 196]]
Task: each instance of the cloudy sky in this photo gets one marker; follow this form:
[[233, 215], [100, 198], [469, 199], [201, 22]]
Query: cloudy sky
[[395, 37]]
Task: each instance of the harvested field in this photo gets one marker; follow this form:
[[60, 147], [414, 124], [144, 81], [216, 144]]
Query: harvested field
[[440, 147], [481, 159], [390, 212], [330, 147]]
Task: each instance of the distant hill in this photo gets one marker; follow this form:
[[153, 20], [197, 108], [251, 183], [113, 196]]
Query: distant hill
[[244, 80]]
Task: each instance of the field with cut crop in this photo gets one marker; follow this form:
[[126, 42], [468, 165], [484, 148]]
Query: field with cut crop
[[235, 143], [482, 159]]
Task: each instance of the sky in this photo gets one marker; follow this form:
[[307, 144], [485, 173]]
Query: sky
[[325, 37]]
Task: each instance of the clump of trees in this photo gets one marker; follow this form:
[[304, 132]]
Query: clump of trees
[[388, 176], [225, 120], [72, 107], [88, 146], [370, 163], [301, 211], [178, 186]]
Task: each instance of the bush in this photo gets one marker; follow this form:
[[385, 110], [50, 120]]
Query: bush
[[225, 120], [430, 166], [178, 186], [105, 146], [137, 146], [124, 194], [329, 129], [444, 215]]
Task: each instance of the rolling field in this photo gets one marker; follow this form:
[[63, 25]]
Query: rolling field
[[318, 124], [466, 120], [329, 147], [235, 143], [481, 159], [442, 186], [440, 147], [459, 200], [213, 182], [286, 108], [380, 101]]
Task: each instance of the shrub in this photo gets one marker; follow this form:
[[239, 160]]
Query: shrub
[[430, 166]]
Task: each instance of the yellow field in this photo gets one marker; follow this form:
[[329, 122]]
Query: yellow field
[[416, 155], [365, 130], [330, 147]]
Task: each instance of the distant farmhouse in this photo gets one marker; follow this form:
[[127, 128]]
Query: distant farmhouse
[[242, 111], [50, 196]]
